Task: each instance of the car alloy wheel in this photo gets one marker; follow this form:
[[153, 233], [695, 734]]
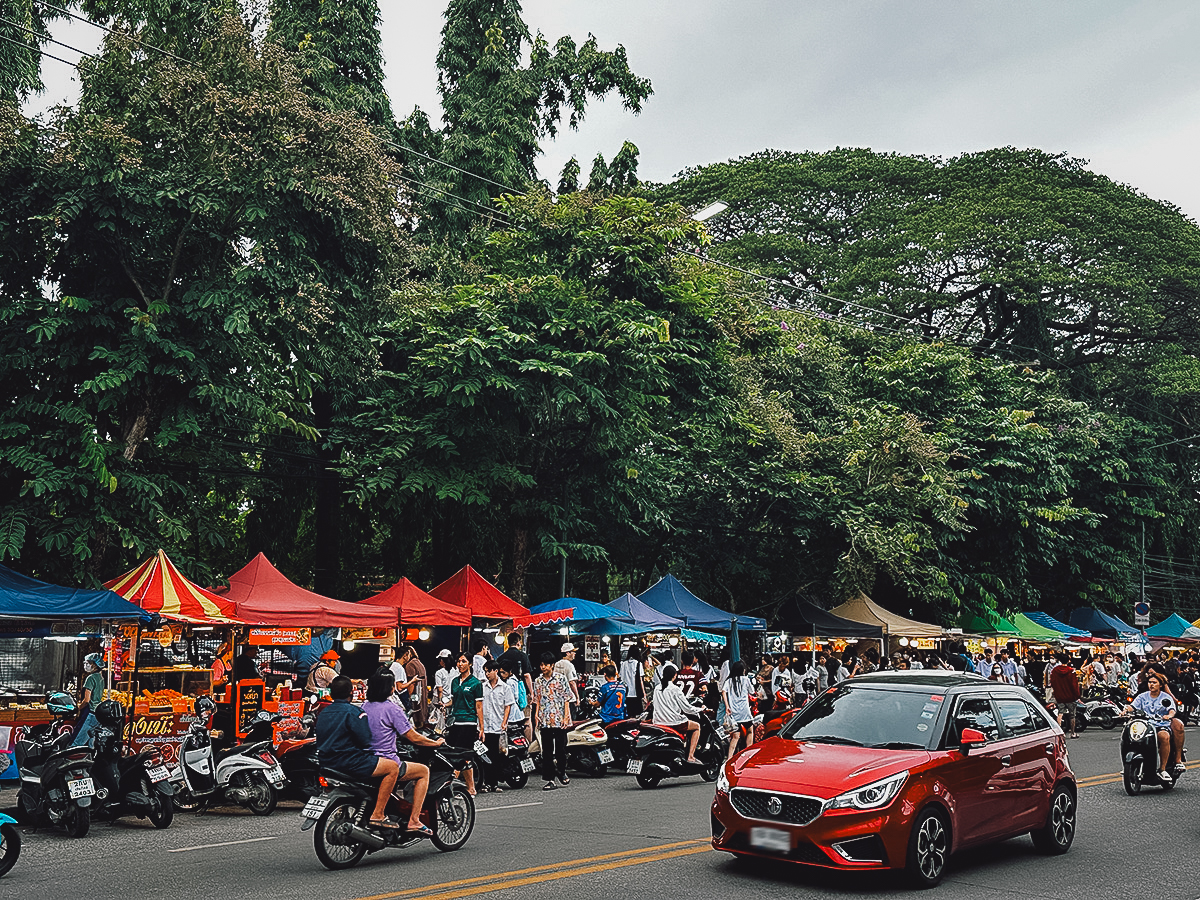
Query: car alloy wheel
[[929, 849], [1059, 831]]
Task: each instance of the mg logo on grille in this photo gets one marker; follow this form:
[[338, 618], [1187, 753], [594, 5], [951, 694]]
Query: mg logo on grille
[[774, 806]]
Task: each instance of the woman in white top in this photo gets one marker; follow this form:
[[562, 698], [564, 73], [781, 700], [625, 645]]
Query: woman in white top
[[737, 704], [672, 708], [631, 676]]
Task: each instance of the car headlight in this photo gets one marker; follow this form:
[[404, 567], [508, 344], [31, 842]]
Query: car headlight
[[722, 781], [1137, 730], [872, 796]]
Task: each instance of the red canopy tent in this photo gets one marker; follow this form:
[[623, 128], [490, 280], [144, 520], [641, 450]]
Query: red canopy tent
[[468, 588], [265, 597], [419, 608], [158, 587]]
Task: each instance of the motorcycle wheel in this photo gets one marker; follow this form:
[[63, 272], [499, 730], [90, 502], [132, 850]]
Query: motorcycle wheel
[[453, 819], [162, 810], [335, 850], [184, 801], [517, 780], [265, 796], [1106, 720], [10, 847], [710, 774], [1133, 786], [77, 821], [649, 782]]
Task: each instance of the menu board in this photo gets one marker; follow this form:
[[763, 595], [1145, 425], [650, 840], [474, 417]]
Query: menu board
[[281, 637], [248, 704]]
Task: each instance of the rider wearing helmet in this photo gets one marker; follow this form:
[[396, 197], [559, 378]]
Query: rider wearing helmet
[[93, 693]]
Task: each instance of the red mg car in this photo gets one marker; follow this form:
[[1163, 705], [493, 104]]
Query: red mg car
[[898, 770]]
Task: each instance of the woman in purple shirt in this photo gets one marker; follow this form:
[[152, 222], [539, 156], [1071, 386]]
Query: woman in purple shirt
[[388, 724]]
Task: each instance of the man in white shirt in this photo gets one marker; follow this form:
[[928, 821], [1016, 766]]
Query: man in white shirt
[[442, 679], [781, 676], [497, 707], [566, 668], [482, 654]]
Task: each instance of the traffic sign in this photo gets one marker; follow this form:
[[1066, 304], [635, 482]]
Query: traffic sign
[[1141, 614]]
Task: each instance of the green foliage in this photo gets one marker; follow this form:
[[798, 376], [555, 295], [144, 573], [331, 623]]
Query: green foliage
[[23, 22]]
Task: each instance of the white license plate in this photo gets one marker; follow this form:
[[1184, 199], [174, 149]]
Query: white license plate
[[158, 773], [772, 839], [634, 767], [606, 756], [527, 765], [275, 776], [314, 807], [81, 787]]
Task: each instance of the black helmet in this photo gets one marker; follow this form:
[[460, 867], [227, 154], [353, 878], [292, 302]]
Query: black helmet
[[60, 703], [110, 713], [205, 705]]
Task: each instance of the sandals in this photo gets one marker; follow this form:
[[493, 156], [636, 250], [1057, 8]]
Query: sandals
[[420, 831], [386, 824]]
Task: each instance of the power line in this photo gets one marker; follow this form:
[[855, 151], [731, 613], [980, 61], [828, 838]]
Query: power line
[[122, 34], [44, 37], [45, 53]]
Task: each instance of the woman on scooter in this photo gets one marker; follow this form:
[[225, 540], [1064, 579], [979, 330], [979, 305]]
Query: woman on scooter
[[1159, 707], [737, 706], [388, 724], [671, 708]]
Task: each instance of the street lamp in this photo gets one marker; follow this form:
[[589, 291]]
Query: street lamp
[[713, 209]]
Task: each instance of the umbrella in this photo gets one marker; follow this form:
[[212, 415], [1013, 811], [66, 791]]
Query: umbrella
[[735, 648]]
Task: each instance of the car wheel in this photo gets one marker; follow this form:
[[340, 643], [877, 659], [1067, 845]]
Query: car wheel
[[928, 849], [1059, 831], [1132, 785]]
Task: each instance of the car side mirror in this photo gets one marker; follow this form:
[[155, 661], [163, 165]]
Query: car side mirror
[[971, 740]]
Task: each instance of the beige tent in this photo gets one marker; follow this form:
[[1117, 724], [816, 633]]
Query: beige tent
[[861, 608]]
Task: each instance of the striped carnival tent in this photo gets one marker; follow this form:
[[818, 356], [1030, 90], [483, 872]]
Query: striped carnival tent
[[158, 587]]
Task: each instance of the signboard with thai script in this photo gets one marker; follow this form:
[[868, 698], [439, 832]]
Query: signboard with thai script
[[281, 637]]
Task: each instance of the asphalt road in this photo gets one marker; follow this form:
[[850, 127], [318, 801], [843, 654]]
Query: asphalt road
[[608, 838]]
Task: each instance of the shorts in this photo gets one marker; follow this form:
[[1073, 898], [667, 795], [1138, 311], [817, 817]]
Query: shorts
[[462, 735], [361, 766], [1066, 706]]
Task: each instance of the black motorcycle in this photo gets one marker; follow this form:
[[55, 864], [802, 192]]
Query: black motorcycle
[[1139, 755], [133, 785], [661, 752], [344, 834], [56, 779], [297, 755], [516, 763]]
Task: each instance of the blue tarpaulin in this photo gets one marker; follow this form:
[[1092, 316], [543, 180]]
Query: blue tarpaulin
[[1101, 624], [648, 617], [23, 597], [1048, 621], [668, 596]]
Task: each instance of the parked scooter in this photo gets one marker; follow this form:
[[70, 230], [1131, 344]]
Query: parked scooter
[[1101, 711], [56, 779], [586, 748], [10, 843], [297, 755], [1139, 755], [622, 738], [344, 834], [516, 763], [247, 774], [137, 785], [661, 752]]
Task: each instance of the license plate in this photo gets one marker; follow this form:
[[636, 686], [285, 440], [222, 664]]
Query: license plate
[[158, 773], [527, 765], [606, 756], [81, 787], [314, 807], [275, 776], [772, 839], [634, 767]]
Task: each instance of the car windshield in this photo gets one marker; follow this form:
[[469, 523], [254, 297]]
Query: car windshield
[[868, 717]]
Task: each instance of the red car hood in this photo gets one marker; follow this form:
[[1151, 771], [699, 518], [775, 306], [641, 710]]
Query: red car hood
[[819, 770]]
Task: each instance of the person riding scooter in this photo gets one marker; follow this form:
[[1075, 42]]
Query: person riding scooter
[[1160, 709], [671, 708], [343, 736]]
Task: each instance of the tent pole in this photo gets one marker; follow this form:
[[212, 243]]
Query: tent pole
[[814, 646]]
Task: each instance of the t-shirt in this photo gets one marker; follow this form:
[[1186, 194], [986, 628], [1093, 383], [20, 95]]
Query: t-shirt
[[442, 679], [566, 669], [1064, 683], [1155, 708], [516, 661], [781, 679], [691, 681], [612, 702], [631, 677], [95, 684], [463, 696], [388, 724], [495, 699], [516, 714], [737, 694], [478, 661]]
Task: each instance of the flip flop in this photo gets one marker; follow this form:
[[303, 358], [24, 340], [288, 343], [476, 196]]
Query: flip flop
[[420, 831], [387, 824]]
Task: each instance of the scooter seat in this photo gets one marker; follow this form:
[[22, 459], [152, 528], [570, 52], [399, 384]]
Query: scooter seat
[[339, 775]]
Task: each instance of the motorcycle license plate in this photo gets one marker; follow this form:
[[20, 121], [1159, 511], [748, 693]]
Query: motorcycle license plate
[[606, 756], [634, 767], [275, 776], [158, 773], [81, 787], [773, 839], [314, 807], [527, 765]]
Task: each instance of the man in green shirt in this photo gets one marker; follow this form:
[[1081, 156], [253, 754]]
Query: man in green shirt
[[466, 712]]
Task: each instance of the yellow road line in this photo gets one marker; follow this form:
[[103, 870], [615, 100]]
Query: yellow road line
[[1113, 777], [551, 872]]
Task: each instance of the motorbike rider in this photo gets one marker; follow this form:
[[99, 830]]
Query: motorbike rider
[[1160, 709], [93, 693], [671, 708], [343, 738], [389, 723], [612, 696], [1153, 667]]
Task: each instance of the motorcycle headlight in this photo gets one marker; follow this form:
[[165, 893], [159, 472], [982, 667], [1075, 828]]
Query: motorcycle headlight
[[722, 781], [876, 795], [1137, 730]]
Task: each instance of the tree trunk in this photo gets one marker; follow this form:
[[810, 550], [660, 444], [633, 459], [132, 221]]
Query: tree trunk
[[520, 558], [327, 560]]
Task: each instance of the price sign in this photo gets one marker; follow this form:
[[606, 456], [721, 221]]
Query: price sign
[[249, 702], [1141, 614]]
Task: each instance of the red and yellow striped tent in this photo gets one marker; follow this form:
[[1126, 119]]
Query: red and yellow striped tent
[[158, 587]]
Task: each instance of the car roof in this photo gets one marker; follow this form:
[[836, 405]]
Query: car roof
[[922, 678]]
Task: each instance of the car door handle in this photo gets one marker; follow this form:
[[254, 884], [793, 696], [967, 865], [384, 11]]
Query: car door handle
[[1050, 749], [1006, 761]]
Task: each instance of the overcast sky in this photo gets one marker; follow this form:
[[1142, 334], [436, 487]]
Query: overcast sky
[[1115, 83]]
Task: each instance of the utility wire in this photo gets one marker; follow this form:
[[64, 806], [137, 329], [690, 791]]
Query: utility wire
[[45, 53], [122, 34], [44, 37]]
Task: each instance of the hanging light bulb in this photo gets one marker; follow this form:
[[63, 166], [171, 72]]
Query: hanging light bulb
[[424, 634]]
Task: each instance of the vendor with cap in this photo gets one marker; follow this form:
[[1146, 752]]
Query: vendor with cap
[[566, 668], [323, 672], [92, 694]]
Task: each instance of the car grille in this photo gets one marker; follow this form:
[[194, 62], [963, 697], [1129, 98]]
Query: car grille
[[795, 810]]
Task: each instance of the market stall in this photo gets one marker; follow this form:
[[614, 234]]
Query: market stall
[[669, 596], [861, 608], [807, 622]]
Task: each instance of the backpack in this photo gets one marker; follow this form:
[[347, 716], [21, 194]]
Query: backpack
[[522, 694]]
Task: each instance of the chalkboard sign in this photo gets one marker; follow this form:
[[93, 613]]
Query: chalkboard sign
[[249, 702]]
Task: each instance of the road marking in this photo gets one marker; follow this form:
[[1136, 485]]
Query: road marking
[[510, 806], [1114, 777], [224, 844], [499, 881]]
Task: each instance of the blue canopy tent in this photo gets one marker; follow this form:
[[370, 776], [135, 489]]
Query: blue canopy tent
[[648, 617], [1174, 627], [22, 597], [1048, 621], [1101, 624], [575, 609], [668, 596]]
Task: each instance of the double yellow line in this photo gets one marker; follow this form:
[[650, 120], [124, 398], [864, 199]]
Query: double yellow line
[[1111, 778], [500, 881]]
